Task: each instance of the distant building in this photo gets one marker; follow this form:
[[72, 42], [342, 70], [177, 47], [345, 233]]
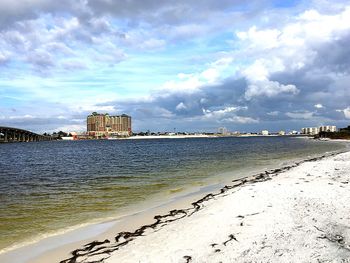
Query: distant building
[[104, 125], [265, 132], [222, 130], [310, 131], [281, 133], [317, 130], [66, 138], [328, 128]]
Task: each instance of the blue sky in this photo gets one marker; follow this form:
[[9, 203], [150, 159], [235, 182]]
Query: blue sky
[[245, 65]]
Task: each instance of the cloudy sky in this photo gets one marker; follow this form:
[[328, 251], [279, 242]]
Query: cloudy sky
[[185, 64]]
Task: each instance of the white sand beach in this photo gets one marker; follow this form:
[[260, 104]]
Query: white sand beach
[[298, 214]]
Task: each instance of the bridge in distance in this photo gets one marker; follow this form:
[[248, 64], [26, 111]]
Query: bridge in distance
[[9, 134]]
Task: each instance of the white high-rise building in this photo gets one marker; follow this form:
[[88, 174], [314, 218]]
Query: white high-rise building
[[328, 128], [317, 130], [310, 130], [264, 132]]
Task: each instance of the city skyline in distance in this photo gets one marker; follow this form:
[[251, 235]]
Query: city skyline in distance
[[275, 65]]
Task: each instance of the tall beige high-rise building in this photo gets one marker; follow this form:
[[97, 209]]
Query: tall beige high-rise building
[[99, 125]]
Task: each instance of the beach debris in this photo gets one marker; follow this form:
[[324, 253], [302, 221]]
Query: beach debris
[[231, 237], [188, 259], [252, 214], [92, 244], [334, 238]]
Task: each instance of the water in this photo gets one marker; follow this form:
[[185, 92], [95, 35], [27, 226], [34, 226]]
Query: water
[[49, 186]]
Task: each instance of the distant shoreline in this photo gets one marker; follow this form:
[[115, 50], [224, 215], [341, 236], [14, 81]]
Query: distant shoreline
[[207, 136], [189, 136]]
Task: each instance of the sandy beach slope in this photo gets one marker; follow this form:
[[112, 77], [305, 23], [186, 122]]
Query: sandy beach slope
[[298, 214]]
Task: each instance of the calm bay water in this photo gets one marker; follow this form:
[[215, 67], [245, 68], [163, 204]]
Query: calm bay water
[[48, 186]]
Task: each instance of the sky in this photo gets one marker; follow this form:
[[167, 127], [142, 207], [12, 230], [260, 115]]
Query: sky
[[186, 65]]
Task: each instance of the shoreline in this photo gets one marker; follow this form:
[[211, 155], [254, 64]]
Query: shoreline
[[106, 249], [137, 137], [111, 227], [65, 240]]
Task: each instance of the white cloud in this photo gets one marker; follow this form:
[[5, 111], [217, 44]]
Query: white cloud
[[306, 115], [273, 113], [320, 27], [346, 112], [308, 28], [240, 119], [318, 106], [269, 89], [259, 84], [286, 48], [220, 113], [258, 71], [191, 83], [181, 106], [26, 116], [223, 62], [262, 39], [184, 76], [210, 75], [229, 115]]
